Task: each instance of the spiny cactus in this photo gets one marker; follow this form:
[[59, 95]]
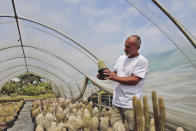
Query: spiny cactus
[[146, 114], [104, 113], [39, 128], [101, 64], [94, 124], [104, 123], [89, 107], [159, 120], [152, 125], [134, 110], [99, 101], [179, 129], [119, 126], [86, 118], [139, 116], [155, 110], [162, 117], [77, 106]]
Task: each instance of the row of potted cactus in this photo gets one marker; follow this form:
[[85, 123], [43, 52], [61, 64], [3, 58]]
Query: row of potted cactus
[[59, 114], [9, 112]]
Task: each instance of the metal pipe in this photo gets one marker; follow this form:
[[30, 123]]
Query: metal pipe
[[20, 37], [183, 30], [32, 21]]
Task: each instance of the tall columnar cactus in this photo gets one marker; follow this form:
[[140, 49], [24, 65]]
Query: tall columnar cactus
[[139, 116], [101, 64], [146, 114], [162, 116], [99, 104], [152, 126], [134, 110], [89, 107], [155, 110], [99, 101], [179, 129]]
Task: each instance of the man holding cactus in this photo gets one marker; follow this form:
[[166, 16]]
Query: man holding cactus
[[130, 72]]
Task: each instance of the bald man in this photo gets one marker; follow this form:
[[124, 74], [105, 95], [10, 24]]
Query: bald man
[[130, 72]]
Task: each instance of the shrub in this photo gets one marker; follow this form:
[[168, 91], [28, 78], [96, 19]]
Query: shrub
[[32, 90], [13, 89], [9, 88], [47, 85]]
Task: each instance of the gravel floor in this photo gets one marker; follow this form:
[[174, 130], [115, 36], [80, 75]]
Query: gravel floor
[[24, 121]]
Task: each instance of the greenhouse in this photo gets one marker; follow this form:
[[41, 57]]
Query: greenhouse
[[63, 41]]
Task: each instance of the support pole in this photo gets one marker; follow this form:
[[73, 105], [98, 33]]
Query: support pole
[[20, 37], [183, 30]]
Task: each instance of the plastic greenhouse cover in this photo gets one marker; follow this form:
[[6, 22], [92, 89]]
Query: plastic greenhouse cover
[[63, 40]]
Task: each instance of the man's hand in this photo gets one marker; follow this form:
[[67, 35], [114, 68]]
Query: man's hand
[[111, 75], [129, 80], [98, 77]]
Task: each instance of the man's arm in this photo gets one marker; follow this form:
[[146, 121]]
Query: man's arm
[[130, 80]]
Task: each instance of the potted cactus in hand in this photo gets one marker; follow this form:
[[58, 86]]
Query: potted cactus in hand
[[101, 68]]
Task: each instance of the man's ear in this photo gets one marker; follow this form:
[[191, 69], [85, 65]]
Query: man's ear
[[138, 47]]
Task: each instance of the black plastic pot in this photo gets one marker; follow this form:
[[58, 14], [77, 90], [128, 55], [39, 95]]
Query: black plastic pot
[[3, 127], [102, 76], [10, 124]]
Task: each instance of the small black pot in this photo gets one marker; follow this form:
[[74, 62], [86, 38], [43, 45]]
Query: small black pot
[[102, 76], [3, 127], [10, 124]]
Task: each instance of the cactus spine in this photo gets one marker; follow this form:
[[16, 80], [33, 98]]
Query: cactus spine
[[146, 114], [162, 116], [155, 110]]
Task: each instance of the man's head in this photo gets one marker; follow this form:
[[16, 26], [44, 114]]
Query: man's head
[[132, 45]]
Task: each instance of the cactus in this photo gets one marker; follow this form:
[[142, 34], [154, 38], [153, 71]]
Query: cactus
[[139, 116], [104, 113], [179, 129], [99, 101], [152, 126], [86, 118], [146, 114], [162, 116], [102, 67], [101, 64], [155, 110], [77, 106], [134, 110], [89, 107]]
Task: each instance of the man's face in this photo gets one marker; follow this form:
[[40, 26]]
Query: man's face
[[131, 49]]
